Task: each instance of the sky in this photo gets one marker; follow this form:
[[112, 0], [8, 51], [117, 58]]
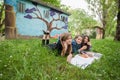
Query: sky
[[1, 0], [76, 4]]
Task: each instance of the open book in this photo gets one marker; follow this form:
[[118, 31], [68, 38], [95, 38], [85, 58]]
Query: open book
[[82, 62]]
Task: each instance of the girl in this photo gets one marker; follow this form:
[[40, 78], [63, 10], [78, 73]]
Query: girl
[[76, 43], [86, 43], [86, 46], [64, 45]]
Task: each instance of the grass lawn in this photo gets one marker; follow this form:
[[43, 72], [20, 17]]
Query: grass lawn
[[28, 60]]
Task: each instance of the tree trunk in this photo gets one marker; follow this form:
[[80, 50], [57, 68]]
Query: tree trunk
[[10, 23], [104, 22], [103, 36], [117, 36]]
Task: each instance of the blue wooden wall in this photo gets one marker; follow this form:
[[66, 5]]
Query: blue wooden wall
[[27, 25]]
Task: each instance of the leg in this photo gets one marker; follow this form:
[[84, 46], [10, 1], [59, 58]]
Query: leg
[[43, 40], [47, 39]]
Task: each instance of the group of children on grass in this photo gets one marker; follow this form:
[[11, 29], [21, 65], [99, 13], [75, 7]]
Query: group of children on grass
[[66, 46]]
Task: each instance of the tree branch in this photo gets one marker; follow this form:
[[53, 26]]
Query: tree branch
[[55, 28], [36, 14], [40, 19], [44, 21], [39, 11], [55, 19], [99, 15], [35, 18]]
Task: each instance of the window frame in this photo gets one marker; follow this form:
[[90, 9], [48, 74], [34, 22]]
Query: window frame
[[21, 7]]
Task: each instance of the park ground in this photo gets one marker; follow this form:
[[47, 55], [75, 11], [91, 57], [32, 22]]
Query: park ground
[[28, 60]]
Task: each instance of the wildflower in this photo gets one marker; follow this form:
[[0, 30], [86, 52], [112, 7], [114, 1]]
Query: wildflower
[[5, 65], [11, 56], [1, 74], [56, 78]]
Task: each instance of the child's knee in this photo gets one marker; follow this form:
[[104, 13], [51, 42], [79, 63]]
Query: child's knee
[[47, 37], [44, 37]]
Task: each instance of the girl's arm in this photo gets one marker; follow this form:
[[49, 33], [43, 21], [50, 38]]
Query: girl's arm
[[83, 48], [69, 57], [89, 43], [89, 46], [64, 48]]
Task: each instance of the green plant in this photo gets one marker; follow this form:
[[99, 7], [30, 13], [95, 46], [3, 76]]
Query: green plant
[[28, 60]]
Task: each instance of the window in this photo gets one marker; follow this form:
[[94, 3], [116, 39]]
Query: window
[[21, 7], [46, 13], [63, 18]]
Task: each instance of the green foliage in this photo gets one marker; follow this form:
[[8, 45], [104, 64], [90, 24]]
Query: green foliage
[[55, 3], [93, 35], [106, 11], [80, 20], [2, 18], [28, 60], [65, 8]]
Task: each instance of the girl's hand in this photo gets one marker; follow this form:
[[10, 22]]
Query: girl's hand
[[65, 46], [89, 43]]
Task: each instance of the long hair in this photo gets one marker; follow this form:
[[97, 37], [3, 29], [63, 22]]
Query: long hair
[[87, 37], [64, 37]]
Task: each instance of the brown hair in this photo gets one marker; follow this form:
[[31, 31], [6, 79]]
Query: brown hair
[[77, 36], [64, 37], [87, 37]]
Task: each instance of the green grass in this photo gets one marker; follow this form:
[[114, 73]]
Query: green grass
[[28, 60]]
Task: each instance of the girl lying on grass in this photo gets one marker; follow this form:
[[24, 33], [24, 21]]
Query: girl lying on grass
[[80, 45], [86, 43], [63, 45], [77, 44]]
